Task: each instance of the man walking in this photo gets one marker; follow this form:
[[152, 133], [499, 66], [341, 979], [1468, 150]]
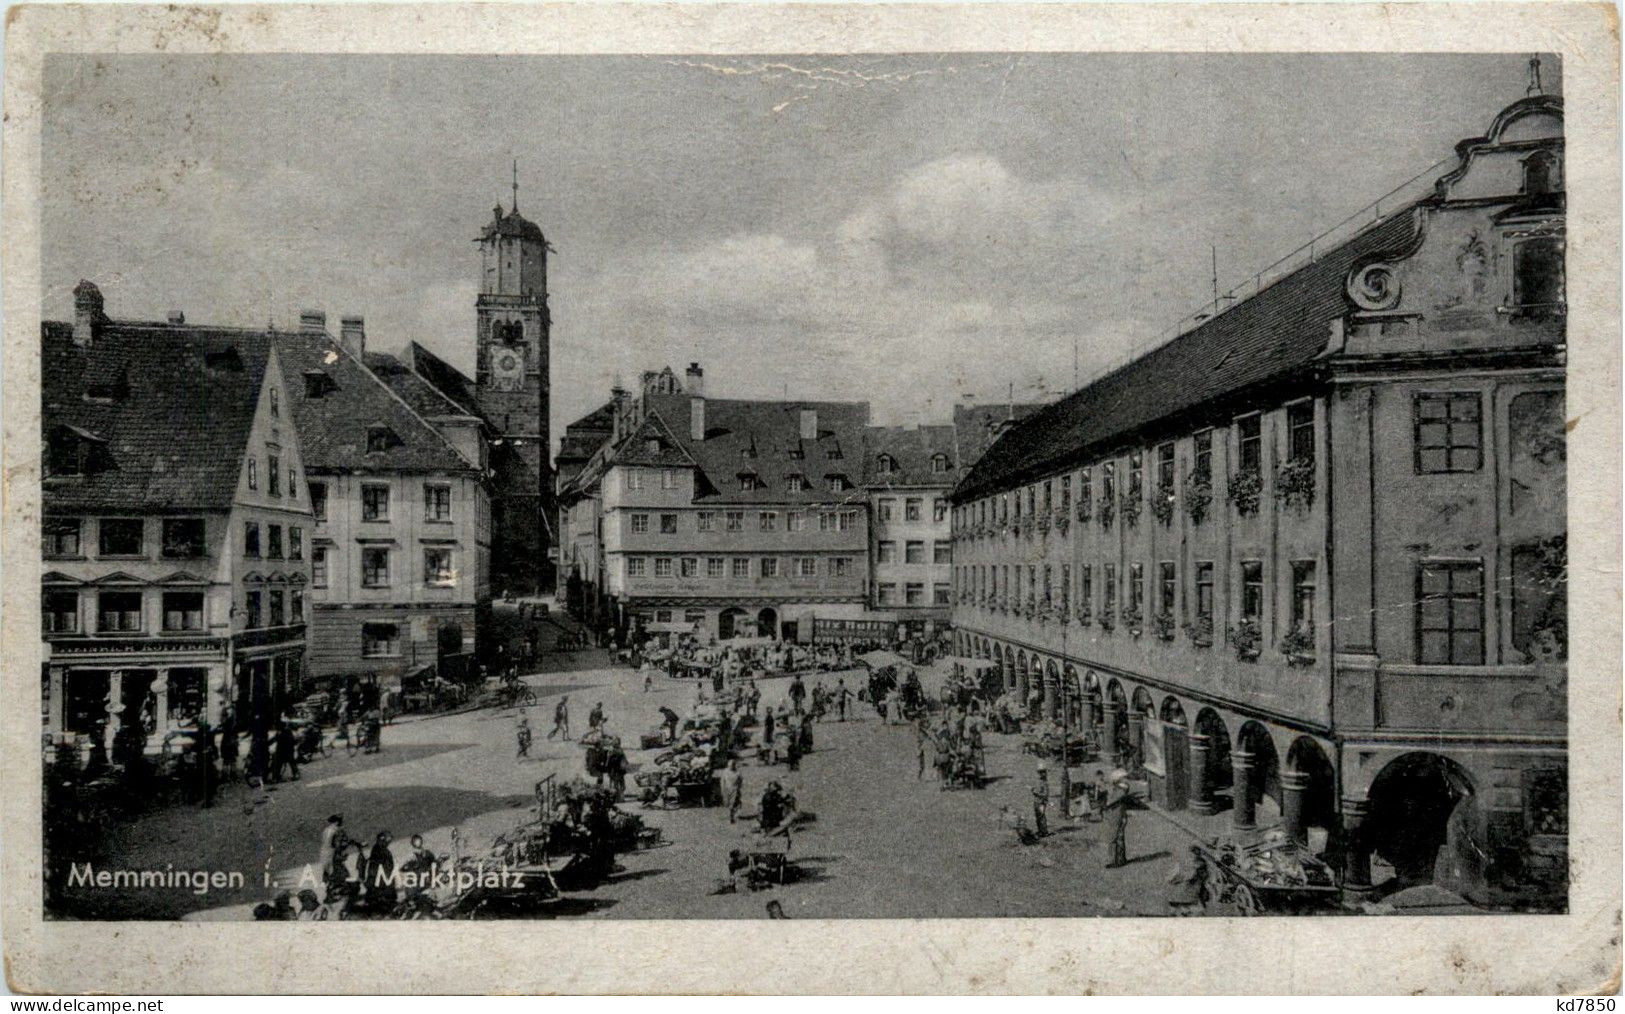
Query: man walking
[[733, 789], [561, 719], [1041, 802], [523, 735], [841, 695], [1118, 802]]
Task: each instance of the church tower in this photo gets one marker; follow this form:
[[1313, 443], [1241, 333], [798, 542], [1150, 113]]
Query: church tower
[[511, 384]]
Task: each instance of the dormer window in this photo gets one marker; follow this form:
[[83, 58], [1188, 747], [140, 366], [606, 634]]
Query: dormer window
[[795, 484], [1542, 173], [276, 403], [838, 484], [380, 439], [748, 482], [653, 445], [886, 464], [318, 384], [748, 453], [70, 451], [795, 454], [939, 463], [833, 454]]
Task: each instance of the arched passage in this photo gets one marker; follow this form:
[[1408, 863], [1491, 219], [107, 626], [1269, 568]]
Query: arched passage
[[1023, 683], [730, 623], [1211, 775], [1420, 804], [1258, 775], [1118, 740], [1142, 713], [1167, 756], [1052, 691], [767, 623], [1308, 790]]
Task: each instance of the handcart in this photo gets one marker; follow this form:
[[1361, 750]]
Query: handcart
[[1270, 874]]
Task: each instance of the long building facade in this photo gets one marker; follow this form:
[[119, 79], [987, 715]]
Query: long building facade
[[1306, 562]]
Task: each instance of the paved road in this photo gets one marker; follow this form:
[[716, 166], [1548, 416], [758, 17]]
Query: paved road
[[884, 843]]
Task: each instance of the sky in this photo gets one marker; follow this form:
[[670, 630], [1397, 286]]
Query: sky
[[912, 230]]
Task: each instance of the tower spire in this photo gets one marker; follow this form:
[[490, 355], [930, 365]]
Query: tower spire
[[1534, 77], [516, 186]]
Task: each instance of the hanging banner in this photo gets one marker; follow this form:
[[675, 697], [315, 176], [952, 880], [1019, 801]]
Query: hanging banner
[[1155, 759]]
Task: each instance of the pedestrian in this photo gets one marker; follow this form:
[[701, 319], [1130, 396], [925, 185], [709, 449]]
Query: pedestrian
[[283, 755], [228, 745], [380, 880], [329, 846], [374, 722], [798, 693], [561, 719], [1119, 802], [648, 682], [669, 721], [767, 729], [841, 696], [733, 789], [615, 767], [522, 733], [205, 760], [1041, 802], [595, 717]]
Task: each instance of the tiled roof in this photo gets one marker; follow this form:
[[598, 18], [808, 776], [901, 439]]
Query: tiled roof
[[761, 438], [912, 448], [177, 427], [512, 224], [424, 398], [654, 446], [333, 428], [1267, 338], [584, 436], [445, 378], [977, 427]]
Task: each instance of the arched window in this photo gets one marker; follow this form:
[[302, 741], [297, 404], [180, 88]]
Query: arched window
[[1541, 173]]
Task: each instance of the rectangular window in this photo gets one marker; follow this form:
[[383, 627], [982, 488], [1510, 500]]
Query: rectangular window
[[253, 474], [296, 607], [886, 507], [183, 538], [1135, 475], [273, 475], [663, 566], [795, 521], [634, 479], [668, 478], [374, 567], [1167, 588], [795, 484], [939, 510], [734, 521], [437, 503], [1449, 432], [911, 508], [1086, 589], [634, 566], [914, 594], [251, 539], [318, 566], [942, 551], [887, 594], [293, 482], [848, 520], [121, 536], [183, 610], [1108, 481], [662, 615], [1250, 442], [1204, 591], [273, 542], [296, 542], [1066, 588], [770, 566], [692, 616], [318, 500], [689, 566], [1049, 503], [60, 613], [939, 595], [914, 551], [640, 524], [380, 640], [1203, 466], [254, 616], [1252, 590], [1136, 587], [1303, 597], [374, 502], [715, 567], [1450, 613], [1110, 592], [741, 567], [769, 521], [668, 524], [62, 537], [1165, 465], [278, 607], [841, 566], [886, 552], [1085, 486], [1300, 431], [705, 521], [437, 568], [807, 566], [1537, 274], [1047, 584], [1066, 493]]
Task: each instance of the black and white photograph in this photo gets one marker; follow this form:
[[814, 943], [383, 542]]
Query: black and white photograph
[[867, 486]]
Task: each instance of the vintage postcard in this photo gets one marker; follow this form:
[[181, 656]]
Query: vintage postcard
[[957, 485]]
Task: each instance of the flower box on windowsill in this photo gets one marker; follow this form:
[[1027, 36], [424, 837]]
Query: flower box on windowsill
[[1247, 640], [1062, 523], [1163, 625]]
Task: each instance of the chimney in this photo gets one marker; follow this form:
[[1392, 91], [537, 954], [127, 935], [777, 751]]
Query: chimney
[[809, 424], [617, 398], [312, 322], [696, 418], [177, 317], [696, 380], [353, 335], [87, 313]]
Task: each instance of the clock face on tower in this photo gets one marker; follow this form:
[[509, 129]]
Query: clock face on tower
[[507, 369]]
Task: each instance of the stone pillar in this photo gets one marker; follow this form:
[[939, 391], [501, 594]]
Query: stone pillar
[[1109, 709], [1293, 786], [1356, 848], [1136, 739], [1241, 790], [1201, 801], [1052, 697], [160, 709]]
